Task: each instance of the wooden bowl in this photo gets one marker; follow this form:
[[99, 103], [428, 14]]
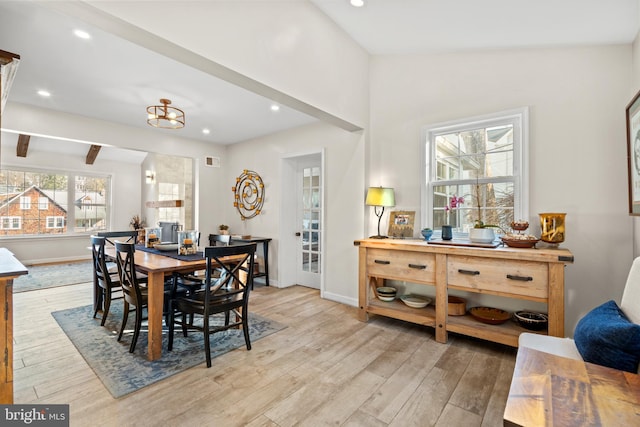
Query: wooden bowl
[[456, 306], [490, 315], [520, 243]]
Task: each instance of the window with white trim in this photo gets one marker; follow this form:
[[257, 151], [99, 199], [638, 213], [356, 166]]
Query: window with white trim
[[43, 203], [475, 170], [55, 222], [63, 202], [10, 223], [25, 202]]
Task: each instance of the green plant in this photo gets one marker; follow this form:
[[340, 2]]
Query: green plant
[[223, 227], [426, 229]]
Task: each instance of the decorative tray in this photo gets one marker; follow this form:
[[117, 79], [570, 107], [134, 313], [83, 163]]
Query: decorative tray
[[493, 316], [456, 242]]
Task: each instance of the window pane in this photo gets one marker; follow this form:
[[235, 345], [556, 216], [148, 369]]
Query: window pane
[[41, 202], [475, 163]]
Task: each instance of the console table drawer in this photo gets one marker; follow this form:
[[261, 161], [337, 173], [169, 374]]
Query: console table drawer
[[526, 278], [405, 265]]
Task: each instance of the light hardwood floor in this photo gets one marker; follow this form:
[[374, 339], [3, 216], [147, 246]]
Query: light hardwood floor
[[325, 368]]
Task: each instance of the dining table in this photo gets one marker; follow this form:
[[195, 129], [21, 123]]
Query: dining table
[[157, 265]]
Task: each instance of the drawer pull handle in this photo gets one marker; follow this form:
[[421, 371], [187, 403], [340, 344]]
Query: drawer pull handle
[[380, 261], [521, 278], [418, 266], [469, 272]]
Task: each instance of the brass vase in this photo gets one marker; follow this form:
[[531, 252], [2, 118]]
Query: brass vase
[[552, 227]]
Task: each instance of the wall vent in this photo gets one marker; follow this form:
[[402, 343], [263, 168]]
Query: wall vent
[[212, 162]]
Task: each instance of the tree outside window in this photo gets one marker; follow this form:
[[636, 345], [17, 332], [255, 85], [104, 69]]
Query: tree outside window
[[479, 162]]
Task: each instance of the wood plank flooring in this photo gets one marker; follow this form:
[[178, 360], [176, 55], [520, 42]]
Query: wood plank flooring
[[325, 368]]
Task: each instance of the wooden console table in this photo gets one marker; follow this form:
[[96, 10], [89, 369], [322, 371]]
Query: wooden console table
[[549, 390], [524, 274], [10, 268]]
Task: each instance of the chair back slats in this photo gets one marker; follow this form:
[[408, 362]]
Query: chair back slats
[[130, 235], [127, 273], [238, 274], [100, 270]]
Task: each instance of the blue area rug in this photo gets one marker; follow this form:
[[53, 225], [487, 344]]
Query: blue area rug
[[49, 276], [122, 372]]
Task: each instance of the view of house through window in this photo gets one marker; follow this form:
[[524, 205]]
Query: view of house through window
[[37, 202], [476, 174]]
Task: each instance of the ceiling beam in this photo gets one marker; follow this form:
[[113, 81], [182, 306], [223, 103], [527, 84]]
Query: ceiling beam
[[93, 153], [23, 145]]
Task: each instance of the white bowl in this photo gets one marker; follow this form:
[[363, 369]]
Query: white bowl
[[386, 298], [415, 302], [386, 290]]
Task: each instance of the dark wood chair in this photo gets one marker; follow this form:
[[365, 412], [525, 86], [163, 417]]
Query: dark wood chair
[[134, 294], [129, 236], [228, 294], [222, 239], [107, 282]]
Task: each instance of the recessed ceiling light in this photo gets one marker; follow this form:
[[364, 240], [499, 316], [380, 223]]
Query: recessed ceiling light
[[357, 3], [275, 107], [82, 34], [206, 131], [44, 93]]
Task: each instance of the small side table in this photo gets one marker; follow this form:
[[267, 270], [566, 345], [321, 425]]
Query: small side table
[[265, 250]]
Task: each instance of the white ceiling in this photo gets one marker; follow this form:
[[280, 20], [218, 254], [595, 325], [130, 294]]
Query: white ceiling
[[111, 78], [428, 26]]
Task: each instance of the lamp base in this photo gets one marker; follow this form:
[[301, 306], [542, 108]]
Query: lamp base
[[378, 237]]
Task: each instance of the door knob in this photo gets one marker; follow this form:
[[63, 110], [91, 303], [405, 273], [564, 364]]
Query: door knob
[[297, 234]]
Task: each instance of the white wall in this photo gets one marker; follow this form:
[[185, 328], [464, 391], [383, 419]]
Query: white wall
[[577, 159], [635, 87], [343, 180]]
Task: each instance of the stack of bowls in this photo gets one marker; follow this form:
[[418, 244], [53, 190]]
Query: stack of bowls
[[386, 293]]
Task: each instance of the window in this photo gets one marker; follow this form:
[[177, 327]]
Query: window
[[25, 202], [55, 222], [10, 223], [43, 203], [169, 191], [66, 203], [482, 161]]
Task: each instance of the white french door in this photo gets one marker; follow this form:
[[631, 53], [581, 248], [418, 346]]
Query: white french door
[[309, 222]]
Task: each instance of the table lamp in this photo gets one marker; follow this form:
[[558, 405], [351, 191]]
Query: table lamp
[[380, 197]]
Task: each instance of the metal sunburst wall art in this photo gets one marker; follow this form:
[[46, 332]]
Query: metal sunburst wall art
[[249, 194]]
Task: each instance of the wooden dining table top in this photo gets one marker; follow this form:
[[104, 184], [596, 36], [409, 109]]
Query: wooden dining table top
[[147, 261]]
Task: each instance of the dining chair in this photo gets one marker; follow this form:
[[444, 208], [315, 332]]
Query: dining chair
[[223, 239], [134, 294], [128, 236], [107, 282], [228, 294]]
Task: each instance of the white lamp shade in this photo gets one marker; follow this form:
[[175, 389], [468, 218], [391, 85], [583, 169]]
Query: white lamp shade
[[380, 196]]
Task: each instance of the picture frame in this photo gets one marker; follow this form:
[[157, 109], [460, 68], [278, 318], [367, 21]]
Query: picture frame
[[633, 153], [401, 224]]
